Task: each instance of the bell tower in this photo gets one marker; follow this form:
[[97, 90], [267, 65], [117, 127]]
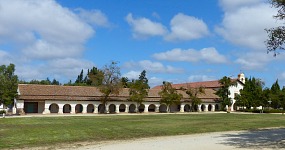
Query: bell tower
[[241, 78]]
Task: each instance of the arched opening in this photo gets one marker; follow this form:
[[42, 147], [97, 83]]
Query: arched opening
[[210, 107], [203, 107], [151, 108], [217, 108], [132, 108], [53, 108], [101, 108], [163, 108], [141, 108], [66, 108], [187, 108], [90, 108], [112, 108], [78, 108], [235, 106], [195, 108], [122, 108]]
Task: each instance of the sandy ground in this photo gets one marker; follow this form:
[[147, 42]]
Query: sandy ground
[[265, 139]]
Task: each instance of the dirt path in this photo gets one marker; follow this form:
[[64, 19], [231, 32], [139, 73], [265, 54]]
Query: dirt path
[[242, 140]]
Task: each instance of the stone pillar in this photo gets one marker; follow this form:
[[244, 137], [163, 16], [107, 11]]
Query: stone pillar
[[117, 109], [96, 109], [199, 108], [127, 109], [84, 108], [146, 108], [213, 107], [20, 107], [107, 108], [182, 108], [46, 111], [72, 111], [157, 108], [206, 107]]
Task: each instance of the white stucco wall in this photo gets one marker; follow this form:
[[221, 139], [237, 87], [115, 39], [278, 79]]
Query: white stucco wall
[[234, 90]]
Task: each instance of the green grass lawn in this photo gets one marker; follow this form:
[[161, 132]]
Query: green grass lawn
[[44, 131]]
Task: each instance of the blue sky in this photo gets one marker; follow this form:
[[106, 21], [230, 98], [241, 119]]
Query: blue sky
[[176, 41]]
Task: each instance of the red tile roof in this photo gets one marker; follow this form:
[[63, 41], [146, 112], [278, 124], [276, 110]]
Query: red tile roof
[[206, 84], [54, 92]]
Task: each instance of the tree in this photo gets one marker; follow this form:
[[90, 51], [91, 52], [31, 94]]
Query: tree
[[223, 92], [193, 93], [276, 36], [282, 99], [42, 82], [55, 82], [111, 83], [125, 82], [95, 77], [8, 84], [169, 95], [265, 97], [274, 95], [139, 89], [251, 94]]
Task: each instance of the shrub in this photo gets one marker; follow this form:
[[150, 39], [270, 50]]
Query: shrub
[[2, 111]]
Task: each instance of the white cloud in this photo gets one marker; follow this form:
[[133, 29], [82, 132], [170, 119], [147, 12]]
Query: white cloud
[[132, 75], [61, 69], [255, 60], [232, 5], [185, 27], [196, 78], [153, 67], [44, 39], [47, 25], [144, 28], [209, 55], [154, 81], [245, 26], [158, 67], [94, 17]]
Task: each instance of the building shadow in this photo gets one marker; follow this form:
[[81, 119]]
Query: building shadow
[[256, 139]]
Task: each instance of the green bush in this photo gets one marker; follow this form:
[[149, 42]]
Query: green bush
[[273, 111], [2, 111]]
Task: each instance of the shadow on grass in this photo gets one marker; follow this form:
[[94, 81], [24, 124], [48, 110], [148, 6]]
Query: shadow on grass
[[257, 139]]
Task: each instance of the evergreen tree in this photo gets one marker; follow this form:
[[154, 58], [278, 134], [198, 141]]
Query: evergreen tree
[[125, 82], [8, 84], [95, 77], [251, 94], [55, 82], [139, 89], [282, 99], [274, 95]]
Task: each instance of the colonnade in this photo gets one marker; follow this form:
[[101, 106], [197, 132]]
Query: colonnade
[[84, 107]]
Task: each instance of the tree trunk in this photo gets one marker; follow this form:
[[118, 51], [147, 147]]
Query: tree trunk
[[168, 109], [105, 110], [137, 108]]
